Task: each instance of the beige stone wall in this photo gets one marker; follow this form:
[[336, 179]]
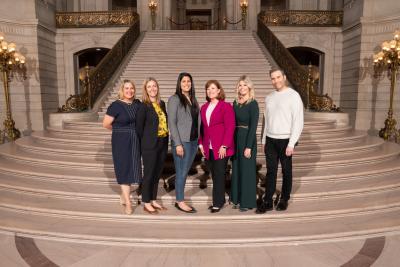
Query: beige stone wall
[[367, 24], [26, 102], [373, 94], [325, 39], [47, 62], [31, 98]]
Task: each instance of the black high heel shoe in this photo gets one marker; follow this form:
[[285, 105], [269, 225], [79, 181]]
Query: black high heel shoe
[[192, 210]]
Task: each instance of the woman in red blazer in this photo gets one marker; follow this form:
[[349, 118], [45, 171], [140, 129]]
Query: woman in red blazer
[[216, 138]]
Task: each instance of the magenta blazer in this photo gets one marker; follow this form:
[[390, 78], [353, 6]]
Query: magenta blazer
[[220, 131]]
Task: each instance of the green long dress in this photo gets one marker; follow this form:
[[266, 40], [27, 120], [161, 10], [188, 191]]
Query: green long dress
[[243, 183]]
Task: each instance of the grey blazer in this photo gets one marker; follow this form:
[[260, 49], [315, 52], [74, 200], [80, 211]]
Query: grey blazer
[[179, 121]]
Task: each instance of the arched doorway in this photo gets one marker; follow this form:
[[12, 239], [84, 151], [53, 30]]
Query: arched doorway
[[91, 57], [306, 56]]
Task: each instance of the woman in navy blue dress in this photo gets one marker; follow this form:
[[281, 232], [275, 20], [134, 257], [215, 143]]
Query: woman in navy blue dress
[[120, 118]]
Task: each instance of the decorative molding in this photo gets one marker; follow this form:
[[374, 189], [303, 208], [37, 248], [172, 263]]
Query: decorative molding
[[24, 29], [302, 18], [95, 19]]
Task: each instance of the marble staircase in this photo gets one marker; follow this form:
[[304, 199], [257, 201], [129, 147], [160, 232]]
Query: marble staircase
[[59, 184], [221, 55]]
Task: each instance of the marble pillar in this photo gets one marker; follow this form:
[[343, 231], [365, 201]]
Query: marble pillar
[[166, 14], [230, 15]]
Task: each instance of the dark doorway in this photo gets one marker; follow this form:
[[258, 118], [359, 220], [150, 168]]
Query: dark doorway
[[273, 4], [91, 57], [199, 19], [306, 56]]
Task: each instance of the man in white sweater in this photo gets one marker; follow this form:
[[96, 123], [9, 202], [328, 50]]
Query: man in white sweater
[[283, 123]]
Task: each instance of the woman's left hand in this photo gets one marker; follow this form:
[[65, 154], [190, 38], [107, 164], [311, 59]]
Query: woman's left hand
[[222, 152], [247, 153]]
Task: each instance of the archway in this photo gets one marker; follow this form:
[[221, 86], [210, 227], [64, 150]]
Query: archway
[[308, 55], [91, 57]]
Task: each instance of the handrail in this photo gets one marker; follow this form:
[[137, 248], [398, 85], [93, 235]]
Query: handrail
[[299, 76], [109, 64], [97, 79], [296, 74]]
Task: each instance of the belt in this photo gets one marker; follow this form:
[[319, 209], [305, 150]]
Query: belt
[[127, 129], [242, 126]]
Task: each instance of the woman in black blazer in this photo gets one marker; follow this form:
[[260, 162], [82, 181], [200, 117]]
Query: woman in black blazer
[[152, 129]]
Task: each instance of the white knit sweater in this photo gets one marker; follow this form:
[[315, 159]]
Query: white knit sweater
[[283, 116]]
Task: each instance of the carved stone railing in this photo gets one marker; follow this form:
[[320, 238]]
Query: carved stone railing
[[95, 19], [302, 18], [97, 79], [298, 76]]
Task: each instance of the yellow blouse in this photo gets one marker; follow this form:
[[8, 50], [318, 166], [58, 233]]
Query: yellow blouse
[[162, 121]]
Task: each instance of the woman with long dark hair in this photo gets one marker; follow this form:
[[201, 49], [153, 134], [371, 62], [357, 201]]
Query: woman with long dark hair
[[183, 121]]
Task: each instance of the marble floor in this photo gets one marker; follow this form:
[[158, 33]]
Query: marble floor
[[374, 251]]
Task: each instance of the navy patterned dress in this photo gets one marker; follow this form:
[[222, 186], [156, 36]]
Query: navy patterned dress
[[125, 142]]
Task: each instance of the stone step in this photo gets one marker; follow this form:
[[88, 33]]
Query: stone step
[[169, 74], [101, 176], [107, 189], [312, 137], [194, 232], [95, 125], [12, 152], [48, 143], [30, 145]]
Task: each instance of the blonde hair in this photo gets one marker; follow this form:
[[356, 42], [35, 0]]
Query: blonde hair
[[250, 85], [121, 89], [145, 95]]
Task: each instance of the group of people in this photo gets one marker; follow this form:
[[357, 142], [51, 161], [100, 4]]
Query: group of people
[[221, 131]]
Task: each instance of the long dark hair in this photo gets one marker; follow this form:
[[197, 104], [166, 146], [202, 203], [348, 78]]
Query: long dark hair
[[192, 94]]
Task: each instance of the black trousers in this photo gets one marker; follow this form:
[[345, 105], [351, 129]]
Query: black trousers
[[217, 168], [153, 165], [275, 151]]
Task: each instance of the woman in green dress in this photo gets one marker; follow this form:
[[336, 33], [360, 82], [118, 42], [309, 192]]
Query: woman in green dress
[[243, 184]]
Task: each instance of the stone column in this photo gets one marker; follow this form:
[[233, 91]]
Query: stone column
[[230, 14], [252, 12], [324, 5], [295, 5], [166, 15], [181, 16], [143, 11]]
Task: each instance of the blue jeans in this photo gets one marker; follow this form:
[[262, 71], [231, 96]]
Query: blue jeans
[[182, 166]]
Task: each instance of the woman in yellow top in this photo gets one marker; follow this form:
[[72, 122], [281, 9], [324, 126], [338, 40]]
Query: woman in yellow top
[[152, 129]]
